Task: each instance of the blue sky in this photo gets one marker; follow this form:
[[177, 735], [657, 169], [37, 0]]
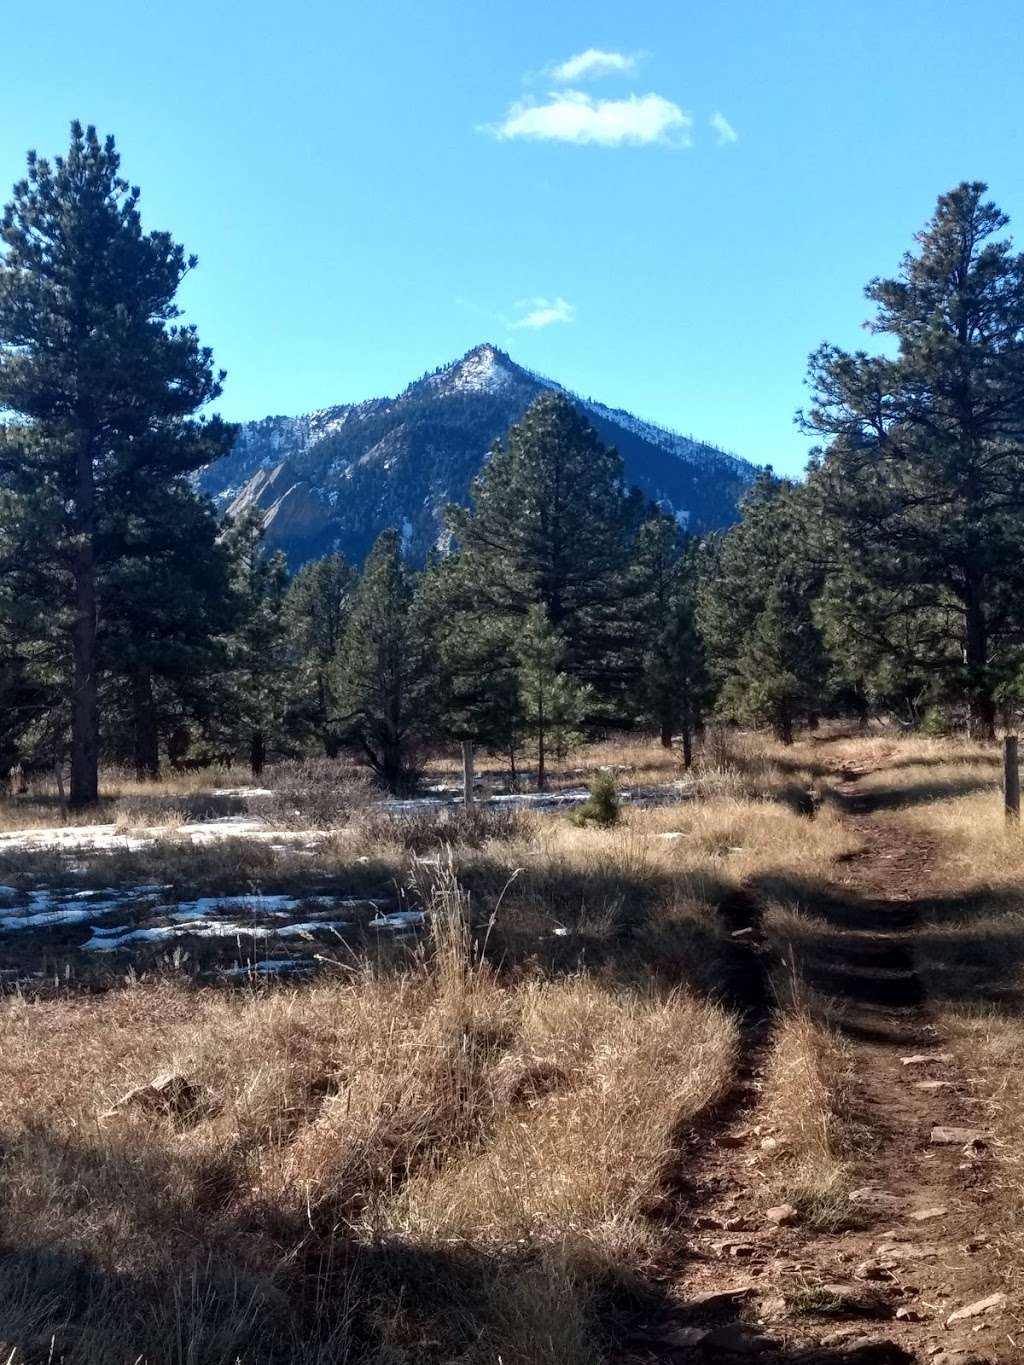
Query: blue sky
[[663, 205]]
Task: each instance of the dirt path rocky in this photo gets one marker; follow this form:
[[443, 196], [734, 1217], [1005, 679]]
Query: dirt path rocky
[[909, 1275]]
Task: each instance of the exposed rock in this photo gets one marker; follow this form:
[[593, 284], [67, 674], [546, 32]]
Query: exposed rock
[[706, 1222], [737, 1339], [927, 1058], [934, 1085], [973, 1310], [905, 1251], [782, 1215], [168, 1093], [958, 1357], [841, 1334], [908, 1314], [922, 1215], [872, 1270], [956, 1137], [869, 1195], [732, 1139], [720, 1298]]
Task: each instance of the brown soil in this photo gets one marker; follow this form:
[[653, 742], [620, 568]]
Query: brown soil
[[922, 1269]]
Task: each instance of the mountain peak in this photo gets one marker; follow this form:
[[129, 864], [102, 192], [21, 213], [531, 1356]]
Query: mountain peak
[[484, 369], [334, 479]]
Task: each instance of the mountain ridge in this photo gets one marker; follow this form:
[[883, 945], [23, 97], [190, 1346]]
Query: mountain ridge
[[335, 477]]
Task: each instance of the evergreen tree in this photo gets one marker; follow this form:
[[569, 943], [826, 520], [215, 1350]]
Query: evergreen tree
[[922, 484], [552, 525], [257, 686], [470, 660], [380, 670], [102, 386], [675, 684], [169, 603], [317, 611], [553, 703], [756, 612]]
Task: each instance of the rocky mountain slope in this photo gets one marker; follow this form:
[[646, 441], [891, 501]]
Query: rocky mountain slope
[[334, 479]]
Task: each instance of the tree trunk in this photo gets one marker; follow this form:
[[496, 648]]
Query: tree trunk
[[666, 732], [84, 693], [687, 726], [783, 724], [541, 774], [981, 707], [147, 736], [257, 752]]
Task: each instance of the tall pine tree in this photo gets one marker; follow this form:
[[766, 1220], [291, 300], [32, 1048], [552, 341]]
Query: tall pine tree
[[380, 668], [552, 525], [102, 385], [756, 603], [317, 611], [921, 488]]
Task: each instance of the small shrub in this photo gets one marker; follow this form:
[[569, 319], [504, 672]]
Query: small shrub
[[315, 793], [935, 723], [604, 806], [433, 827]]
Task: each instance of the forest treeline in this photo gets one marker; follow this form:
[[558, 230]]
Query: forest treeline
[[137, 627]]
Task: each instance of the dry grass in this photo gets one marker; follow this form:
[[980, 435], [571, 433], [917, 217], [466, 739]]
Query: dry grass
[[349, 1143], [433, 1154], [808, 1100]]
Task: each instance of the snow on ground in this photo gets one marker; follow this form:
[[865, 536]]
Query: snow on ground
[[658, 794], [206, 917], [106, 838], [398, 920]]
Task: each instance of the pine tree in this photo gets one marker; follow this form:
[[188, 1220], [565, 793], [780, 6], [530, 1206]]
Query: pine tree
[[257, 686], [674, 680], [469, 658], [380, 668], [317, 611], [168, 605], [552, 525], [756, 602], [553, 703], [921, 488], [102, 385]]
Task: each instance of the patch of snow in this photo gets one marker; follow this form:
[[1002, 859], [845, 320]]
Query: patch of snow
[[242, 791], [398, 919], [104, 838], [268, 967], [310, 927]]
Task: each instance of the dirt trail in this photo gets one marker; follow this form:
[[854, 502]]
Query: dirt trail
[[914, 1249]]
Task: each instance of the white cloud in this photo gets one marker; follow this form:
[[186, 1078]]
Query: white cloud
[[543, 312], [592, 64], [572, 116], [726, 132]]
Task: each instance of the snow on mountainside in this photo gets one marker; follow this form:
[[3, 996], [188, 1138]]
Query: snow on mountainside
[[335, 478]]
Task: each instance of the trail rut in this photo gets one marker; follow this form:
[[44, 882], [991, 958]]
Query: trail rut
[[914, 1249]]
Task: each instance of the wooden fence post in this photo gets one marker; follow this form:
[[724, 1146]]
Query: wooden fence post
[[467, 772], [1011, 779]]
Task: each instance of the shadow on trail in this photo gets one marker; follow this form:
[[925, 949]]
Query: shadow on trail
[[963, 949], [897, 798]]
